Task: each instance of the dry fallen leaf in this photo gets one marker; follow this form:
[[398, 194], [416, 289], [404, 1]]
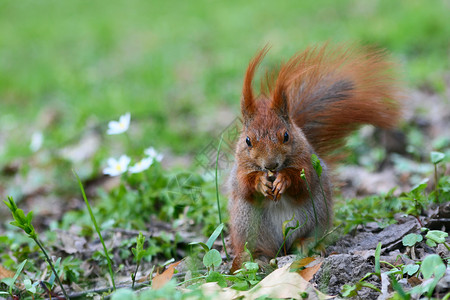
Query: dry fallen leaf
[[307, 267], [161, 279], [302, 262], [71, 243], [219, 293], [5, 273], [281, 283]]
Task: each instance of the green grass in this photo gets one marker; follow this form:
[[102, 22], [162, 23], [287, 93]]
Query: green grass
[[175, 65]]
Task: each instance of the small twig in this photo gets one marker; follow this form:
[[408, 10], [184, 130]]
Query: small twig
[[134, 274], [50, 294], [418, 220]]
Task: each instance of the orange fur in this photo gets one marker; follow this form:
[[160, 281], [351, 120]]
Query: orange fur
[[317, 81]]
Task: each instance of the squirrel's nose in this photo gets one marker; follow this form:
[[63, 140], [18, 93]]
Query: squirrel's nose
[[271, 166]]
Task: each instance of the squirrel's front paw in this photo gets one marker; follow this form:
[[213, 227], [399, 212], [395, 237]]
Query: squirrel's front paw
[[264, 186], [281, 183]]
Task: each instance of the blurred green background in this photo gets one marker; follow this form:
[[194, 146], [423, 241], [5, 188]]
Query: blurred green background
[[177, 66]]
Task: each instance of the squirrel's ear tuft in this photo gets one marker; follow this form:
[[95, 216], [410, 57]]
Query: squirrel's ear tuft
[[280, 103], [248, 105]]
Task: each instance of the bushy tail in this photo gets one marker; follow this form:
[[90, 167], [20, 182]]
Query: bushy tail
[[332, 91]]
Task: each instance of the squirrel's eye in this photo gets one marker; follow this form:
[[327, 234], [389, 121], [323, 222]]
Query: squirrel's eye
[[247, 140], [286, 137]]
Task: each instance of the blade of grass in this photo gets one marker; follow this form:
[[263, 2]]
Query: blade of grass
[[377, 260], [217, 196], [19, 270], [214, 236], [291, 231], [97, 229]]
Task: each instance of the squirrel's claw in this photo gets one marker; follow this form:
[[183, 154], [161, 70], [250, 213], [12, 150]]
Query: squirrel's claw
[[281, 183], [265, 186]]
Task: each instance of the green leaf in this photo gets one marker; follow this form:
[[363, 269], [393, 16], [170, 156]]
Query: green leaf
[[20, 220], [369, 285], [11, 204], [139, 252], [17, 224], [411, 239], [420, 186], [20, 215], [292, 228], [8, 281], [432, 265], [248, 251], [377, 259], [410, 269], [349, 290], [431, 243], [316, 164], [19, 270], [29, 217], [212, 257], [419, 289], [204, 246], [214, 236], [253, 282], [283, 226], [394, 271], [29, 286], [437, 236], [240, 286], [398, 288], [217, 277], [436, 157], [251, 266]]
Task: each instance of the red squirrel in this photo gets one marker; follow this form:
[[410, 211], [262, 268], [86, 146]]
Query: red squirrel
[[309, 106]]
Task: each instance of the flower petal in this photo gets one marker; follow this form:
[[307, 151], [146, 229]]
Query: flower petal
[[142, 165], [151, 152], [125, 119], [115, 127], [124, 160]]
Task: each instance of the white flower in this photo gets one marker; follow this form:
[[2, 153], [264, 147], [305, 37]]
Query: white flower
[[141, 165], [117, 167], [36, 141], [151, 152], [115, 127]]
